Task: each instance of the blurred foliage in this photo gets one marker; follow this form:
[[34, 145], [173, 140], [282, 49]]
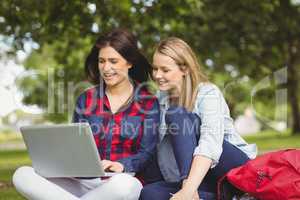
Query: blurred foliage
[[239, 42]]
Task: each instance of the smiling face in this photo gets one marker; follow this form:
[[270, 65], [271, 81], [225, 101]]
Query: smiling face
[[113, 67], [167, 73]]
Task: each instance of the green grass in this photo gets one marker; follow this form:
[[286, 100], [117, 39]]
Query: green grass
[[10, 194], [271, 140], [9, 162]]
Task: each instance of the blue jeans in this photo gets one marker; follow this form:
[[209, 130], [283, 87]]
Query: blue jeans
[[183, 148]]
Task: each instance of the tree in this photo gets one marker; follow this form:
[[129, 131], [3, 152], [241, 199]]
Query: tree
[[240, 39], [258, 33], [65, 33]]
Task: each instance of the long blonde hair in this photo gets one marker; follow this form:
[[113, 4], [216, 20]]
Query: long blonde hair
[[186, 59]]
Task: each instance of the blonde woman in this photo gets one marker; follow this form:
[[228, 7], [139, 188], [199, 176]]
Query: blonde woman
[[197, 142]]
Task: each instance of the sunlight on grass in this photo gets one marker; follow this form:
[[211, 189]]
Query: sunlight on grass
[[10, 137], [11, 159], [272, 140]]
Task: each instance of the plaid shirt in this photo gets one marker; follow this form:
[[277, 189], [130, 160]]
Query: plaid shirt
[[128, 136]]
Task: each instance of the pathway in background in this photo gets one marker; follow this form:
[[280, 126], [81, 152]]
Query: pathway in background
[[13, 146]]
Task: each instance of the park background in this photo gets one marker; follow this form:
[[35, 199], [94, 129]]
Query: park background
[[249, 48]]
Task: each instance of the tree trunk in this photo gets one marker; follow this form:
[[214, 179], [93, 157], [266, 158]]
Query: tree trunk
[[293, 100], [293, 91]]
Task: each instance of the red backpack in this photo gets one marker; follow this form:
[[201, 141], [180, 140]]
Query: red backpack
[[272, 176]]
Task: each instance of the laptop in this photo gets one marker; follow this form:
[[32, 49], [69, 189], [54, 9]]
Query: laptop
[[66, 150]]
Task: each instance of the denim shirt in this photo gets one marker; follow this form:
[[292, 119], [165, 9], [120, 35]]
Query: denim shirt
[[216, 126]]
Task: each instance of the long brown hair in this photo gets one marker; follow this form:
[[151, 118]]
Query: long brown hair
[[125, 44], [186, 59]]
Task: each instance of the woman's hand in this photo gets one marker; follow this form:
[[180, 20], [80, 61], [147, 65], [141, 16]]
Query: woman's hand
[[199, 169], [112, 166], [195, 196], [182, 195]]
